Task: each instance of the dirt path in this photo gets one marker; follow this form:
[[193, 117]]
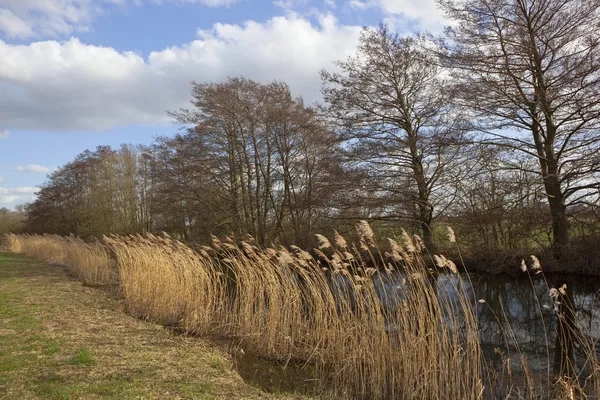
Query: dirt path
[[61, 340]]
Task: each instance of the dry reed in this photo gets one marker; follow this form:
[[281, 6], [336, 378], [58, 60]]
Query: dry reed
[[377, 333], [90, 262]]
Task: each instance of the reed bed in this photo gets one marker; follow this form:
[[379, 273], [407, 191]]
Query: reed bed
[[328, 311], [89, 262], [373, 321]]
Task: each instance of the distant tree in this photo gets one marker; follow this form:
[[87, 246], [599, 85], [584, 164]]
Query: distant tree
[[396, 114], [99, 192], [11, 221], [254, 160], [500, 205]]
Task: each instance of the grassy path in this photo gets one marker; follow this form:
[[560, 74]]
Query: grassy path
[[61, 340]]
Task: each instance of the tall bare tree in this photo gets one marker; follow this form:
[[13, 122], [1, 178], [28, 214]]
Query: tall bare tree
[[530, 71], [396, 113], [533, 67]]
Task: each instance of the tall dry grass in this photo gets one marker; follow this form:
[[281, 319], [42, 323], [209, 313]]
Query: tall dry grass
[[89, 262], [329, 311], [373, 320]]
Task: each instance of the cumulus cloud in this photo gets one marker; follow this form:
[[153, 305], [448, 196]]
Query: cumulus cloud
[[8, 199], [40, 169], [19, 190], [13, 196], [25, 190], [54, 18], [361, 4], [70, 85]]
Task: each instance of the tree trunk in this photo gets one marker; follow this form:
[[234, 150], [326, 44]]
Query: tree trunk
[[427, 233], [425, 209], [560, 223], [554, 192], [564, 357]]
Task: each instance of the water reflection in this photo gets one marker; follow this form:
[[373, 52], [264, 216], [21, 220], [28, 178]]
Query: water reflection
[[517, 315], [520, 314]]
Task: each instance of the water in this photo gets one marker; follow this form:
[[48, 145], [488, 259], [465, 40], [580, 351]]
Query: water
[[516, 315], [520, 314], [516, 318]]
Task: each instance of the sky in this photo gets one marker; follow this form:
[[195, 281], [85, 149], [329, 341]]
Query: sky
[[76, 74]]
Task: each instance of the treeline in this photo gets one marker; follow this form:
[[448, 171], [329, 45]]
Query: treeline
[[256, 161], [11, 220], [492, 128]]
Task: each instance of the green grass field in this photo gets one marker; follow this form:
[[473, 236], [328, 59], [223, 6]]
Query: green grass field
[[61, 340]]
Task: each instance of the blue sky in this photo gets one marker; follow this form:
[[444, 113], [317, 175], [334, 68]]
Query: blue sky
[[75, 74]]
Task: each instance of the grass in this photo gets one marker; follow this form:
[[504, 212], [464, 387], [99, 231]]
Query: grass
[[82, 357], [60, 340]]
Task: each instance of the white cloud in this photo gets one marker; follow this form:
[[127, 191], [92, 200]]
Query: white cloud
[[28, 18], [19, 190], [26, 190], [51, 85], [360, 4], [40, 169], [53, 18], [291, 4], [426, 10], [9, 199], [306, 7], [17, 195], [400, 14], [12, 25], [4, 134]]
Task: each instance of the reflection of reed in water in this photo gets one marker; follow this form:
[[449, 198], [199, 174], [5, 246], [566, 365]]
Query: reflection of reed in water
[[547, 328]]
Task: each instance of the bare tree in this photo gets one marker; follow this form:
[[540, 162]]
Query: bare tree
[[532, 68], [501, 205], [398, 121], [101, 191], [264, 155]]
